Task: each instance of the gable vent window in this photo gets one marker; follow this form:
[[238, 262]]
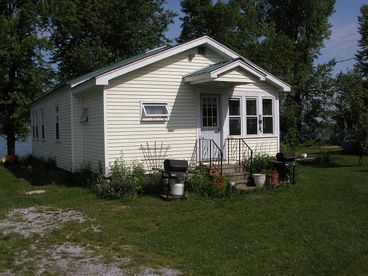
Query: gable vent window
[[84, 116], [155, 111], [201, 51]]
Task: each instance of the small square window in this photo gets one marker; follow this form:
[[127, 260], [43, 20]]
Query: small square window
[[155, 111], [84, 116]]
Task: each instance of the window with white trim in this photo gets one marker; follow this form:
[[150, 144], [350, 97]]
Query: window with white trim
[[33, 125], [234, 116], [155, 111], [251, 116], [84, 116], [267, 116], [209, 111], [42, 124], [57, 123], [36, 117]]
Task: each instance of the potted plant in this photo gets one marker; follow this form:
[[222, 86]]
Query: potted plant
[[259, 167]]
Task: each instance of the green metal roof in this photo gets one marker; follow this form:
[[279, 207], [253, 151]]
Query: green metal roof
[[211, 68]]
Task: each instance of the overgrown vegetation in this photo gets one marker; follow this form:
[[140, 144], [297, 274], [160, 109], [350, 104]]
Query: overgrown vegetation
[[201, 183]]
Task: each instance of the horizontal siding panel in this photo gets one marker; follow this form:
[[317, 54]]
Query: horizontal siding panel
[[161, 81]]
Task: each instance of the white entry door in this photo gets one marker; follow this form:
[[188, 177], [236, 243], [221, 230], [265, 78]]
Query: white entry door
[[210, 125]]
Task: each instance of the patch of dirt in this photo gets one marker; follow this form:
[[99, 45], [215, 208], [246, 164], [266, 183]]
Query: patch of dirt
[[67, 258], [117, 208], [39, 220]]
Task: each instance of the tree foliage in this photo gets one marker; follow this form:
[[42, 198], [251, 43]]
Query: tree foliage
[[89, 34], [362, 55], [24, 74]]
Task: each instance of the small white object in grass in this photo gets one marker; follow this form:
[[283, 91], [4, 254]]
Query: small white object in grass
[[35, 192], [304, 155], [232, 184]]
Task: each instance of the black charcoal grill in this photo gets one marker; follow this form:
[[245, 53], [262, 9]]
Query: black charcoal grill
[[174, 170], [285, 165]]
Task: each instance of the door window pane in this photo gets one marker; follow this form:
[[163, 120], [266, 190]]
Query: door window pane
[[251, 125], [209, 111], [251, 107], [268, 125], [267, 106], [235, 126]]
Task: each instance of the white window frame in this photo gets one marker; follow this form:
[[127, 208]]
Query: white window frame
[[57, 121], [239, 99], [154, 117], [217, 109], [268, 116], [42, 124], [251, 116], [85, 115]]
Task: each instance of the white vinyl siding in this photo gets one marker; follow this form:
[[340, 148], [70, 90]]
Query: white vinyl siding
[[89, 135], [163, 82], [236, 75], [50, 147]]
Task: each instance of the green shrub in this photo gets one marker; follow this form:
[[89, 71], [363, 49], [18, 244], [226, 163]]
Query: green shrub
[[152, 184], [122, 183], [203, 184], [260, 164]]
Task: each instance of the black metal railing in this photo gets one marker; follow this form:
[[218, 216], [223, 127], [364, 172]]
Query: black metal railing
[[238, 150], [210, 152]]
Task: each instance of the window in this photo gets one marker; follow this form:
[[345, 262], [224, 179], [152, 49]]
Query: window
[[234, 117], [155, 111], [42, 124], [251, 116], [36, 113], [84, 116], [57, 122], [33, 125], [209, 111], [267, 116]]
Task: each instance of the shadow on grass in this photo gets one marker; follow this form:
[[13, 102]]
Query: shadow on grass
[[40, 178]]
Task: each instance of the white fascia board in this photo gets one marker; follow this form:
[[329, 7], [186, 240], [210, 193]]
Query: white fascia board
[[241, 64], [203, 76], [104, 78], [84, 86], [271, 78]]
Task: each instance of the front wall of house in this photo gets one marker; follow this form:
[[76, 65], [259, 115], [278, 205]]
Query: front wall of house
[[262, 143], [159, 82], [49, 146]]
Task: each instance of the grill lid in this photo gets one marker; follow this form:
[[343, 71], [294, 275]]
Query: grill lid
[[175, 165], [285, 156]]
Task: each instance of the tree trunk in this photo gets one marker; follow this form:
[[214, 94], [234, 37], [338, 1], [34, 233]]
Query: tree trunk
[[10, 140]]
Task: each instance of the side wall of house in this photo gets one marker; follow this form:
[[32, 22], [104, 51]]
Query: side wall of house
[[159, 82], [49, 146], [89, 136]]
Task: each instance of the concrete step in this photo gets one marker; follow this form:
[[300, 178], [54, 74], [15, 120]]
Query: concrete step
[[244, 187]]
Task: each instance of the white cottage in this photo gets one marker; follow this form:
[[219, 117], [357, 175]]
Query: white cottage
[[198, 101]]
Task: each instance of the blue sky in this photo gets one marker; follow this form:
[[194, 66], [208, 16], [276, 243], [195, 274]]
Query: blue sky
[[341, 45]]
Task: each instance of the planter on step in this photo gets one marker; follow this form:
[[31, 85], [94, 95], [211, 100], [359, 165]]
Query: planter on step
[[259, 179]]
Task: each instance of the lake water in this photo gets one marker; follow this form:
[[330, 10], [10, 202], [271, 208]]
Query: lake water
[[20, 147]]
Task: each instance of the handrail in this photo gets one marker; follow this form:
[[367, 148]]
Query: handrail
[[212, 143], [241, 142]]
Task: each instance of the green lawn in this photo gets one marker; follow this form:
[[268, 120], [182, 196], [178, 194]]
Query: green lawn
[[318, 226]]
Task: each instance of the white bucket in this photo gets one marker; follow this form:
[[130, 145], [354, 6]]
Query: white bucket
[[259, 179], [177, 189]]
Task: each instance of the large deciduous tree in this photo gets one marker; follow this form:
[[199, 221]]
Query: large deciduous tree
[[362, 55], [91, 33], [23, 71]]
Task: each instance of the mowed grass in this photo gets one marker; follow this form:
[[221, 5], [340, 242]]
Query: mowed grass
[[318, 226]]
